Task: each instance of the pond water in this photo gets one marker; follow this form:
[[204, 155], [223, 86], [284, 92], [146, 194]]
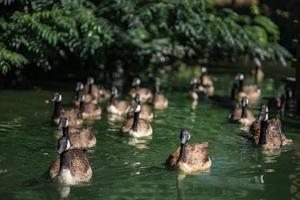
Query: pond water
[[125, 168]]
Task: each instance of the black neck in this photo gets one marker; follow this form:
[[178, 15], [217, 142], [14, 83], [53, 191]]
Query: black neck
[[232, 93], [241, 85], [112, 99], [66, 132], [262, 136], [244, 111], [81, 106], [90, 88], [182, 155], [56, 109], [136, 117], [202, 78]]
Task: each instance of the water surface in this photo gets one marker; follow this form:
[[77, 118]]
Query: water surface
[[125, 168]]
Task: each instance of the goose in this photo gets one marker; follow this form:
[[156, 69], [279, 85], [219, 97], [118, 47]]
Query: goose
[[258, 74], [115, 106], [159, 101], [196, 92], [88, 110], [145, 93], [206, 82], [146, 111], [135, 126], [91, 89], [78, 91], [189, 158], [74, 116], [71, 167], [251, 91], [77, 138], [241, 114], [226, 101], [267, 132]]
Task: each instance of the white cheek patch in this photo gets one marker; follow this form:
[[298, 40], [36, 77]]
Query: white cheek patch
[[68, 145], [59, 97], [67, 122], [138, 108]]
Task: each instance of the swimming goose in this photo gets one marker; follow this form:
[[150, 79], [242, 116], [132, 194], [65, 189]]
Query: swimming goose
[[206, 82], [258, 74], [267, 132], [189, 158], [251, 91], [91, 89], [71, 167], [115, 106], [77, 138], [146, 111], [135, 126], [74, 116], [145, 93], [88, 110], [196, 92], [88, 98], [226, 101], [159, 101], [241, 114]]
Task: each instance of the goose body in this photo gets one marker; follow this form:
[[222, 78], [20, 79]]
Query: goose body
[[145, 114], [74, 116], [190, 158], [196, 92], [252, 92], [116, 106], [145, 93], [159, 101], [241, 115], [206, 82], [78, 138], [90, 89], [135, 126], [71, 167], [274, 137]]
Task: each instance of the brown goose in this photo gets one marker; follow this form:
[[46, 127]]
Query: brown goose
[[159, 101], [71, 167], [91, 89], [146, 111], [267, 132], [135, 126], [115, 106], [258, 74], [88, 98], [145, 93], [241, 114], [74, 116], [89, 110], [189, 158], [77, 138], [196, 92], [206, 82], [253, 92]]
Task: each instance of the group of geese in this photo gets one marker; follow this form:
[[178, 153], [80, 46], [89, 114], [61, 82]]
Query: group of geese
[[72, 165]]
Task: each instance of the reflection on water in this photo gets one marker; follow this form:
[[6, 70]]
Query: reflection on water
[[128, 168]]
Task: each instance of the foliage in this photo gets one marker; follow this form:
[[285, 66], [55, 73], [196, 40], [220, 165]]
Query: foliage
[[134, 32]]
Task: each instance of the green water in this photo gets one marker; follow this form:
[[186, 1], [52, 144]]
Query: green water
[[124, 168]]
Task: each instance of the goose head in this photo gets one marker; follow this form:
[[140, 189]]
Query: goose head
[[185, 136], [264, 113], [90, 80], [79, 86], [136, 82], [244, 102], [57, 97]]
